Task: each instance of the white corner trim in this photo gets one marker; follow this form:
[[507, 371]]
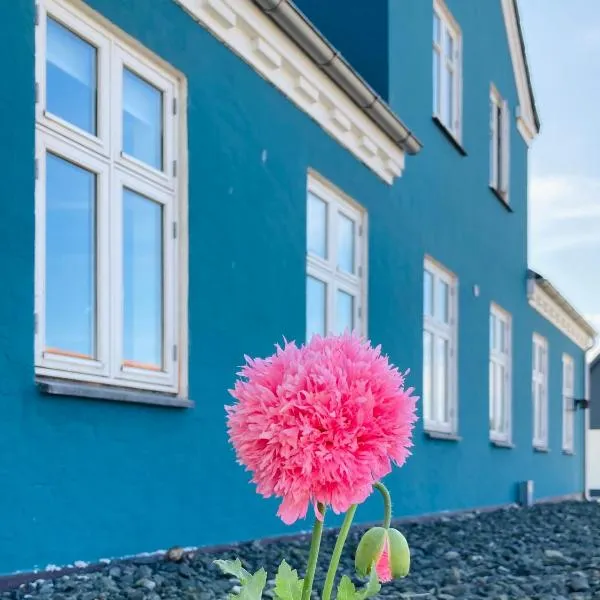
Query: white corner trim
[[524, 113], [258, 41], [558, 316]]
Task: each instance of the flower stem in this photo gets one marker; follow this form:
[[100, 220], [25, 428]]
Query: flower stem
[[337, 552], [387, 504], [313, 555]]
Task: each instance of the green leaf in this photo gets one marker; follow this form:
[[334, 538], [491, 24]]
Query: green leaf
[[372, 588], [233, 567], [252, 588], [346, 589], [288, 586]]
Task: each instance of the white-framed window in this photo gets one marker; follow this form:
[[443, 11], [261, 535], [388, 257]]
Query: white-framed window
[[568, 393], [540, 391], [335, 262], [500, 377], [447, 69], [107, 207], [440, 315], [499, 144]]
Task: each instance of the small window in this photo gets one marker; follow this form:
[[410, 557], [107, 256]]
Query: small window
[[499, 145], [540, 392], [568, 404], [439, 348], [500, 378], [107, 206], [447, 69], [336, 250]]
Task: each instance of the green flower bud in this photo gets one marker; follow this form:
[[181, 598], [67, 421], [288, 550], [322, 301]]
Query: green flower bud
[[369, 550], [385, 549], [399, 554]]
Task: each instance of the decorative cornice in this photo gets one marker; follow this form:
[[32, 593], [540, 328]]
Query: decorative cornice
[[551, 310], [245, 29]]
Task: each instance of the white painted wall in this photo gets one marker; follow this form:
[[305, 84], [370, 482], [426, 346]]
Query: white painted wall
[[593, 459]]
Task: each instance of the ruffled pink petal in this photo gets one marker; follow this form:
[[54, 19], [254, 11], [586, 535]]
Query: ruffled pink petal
[[320, 423], [383, 566]]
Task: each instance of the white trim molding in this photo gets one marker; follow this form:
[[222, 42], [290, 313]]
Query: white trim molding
[[525, 111], [248, 32], [548, 306]]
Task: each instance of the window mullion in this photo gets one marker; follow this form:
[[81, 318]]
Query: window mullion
[[115, 274]]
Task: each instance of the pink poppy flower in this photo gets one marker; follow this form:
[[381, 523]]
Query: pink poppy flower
[[320, 423]]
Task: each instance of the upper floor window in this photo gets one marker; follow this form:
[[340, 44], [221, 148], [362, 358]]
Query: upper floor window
[[447, 69], [568, 393], [106, 207], [499, 144], [540, 392], [336, 251], [439, 348], [500, 374]]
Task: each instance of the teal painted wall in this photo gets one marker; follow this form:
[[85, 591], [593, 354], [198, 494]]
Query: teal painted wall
[[82, 480]]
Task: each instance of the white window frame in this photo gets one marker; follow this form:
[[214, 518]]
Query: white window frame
[[568, 395], [540, 402], [501, 360], [448, 27], [449, 333], [499, 144], [102, 155], [325, 269]]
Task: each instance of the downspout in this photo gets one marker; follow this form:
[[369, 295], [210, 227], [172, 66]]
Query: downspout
[[291, 20], [587, 390]]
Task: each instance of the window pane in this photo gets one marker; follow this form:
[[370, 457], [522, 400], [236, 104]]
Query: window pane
[[316, 294], [344, 312], [500, 397], [442, 311], [142, 281], [436, 82], [428, 294], [499, 150], [70, 258], [449, 46], [142, 120], [503, 335], [493, 331], [436, 28], [449, 98], [427, 376], [441, 380], [71, 86], [316, 224], [491, 393], [345, 243]]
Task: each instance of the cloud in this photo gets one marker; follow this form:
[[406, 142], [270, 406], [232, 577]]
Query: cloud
[[565, 214]]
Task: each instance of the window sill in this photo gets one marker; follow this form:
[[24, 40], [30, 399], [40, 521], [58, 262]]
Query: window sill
[[441, 435], [542, 449], [449, 136], [568, 452], [502, 444], [502, 198], [55, 387]]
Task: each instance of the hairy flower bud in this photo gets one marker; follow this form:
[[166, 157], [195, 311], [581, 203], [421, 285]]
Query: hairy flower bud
[[387, 549]]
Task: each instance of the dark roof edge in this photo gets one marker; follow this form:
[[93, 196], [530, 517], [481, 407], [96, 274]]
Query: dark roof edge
[[536, 117], [562, 301], [297, 26]]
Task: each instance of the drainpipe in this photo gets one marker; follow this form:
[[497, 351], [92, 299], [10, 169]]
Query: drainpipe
[[586, 387]]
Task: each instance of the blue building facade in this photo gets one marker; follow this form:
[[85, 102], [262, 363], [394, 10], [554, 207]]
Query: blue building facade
[[185, 185]]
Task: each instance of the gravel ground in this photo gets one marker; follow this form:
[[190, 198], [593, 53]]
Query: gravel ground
[[546, 552]]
